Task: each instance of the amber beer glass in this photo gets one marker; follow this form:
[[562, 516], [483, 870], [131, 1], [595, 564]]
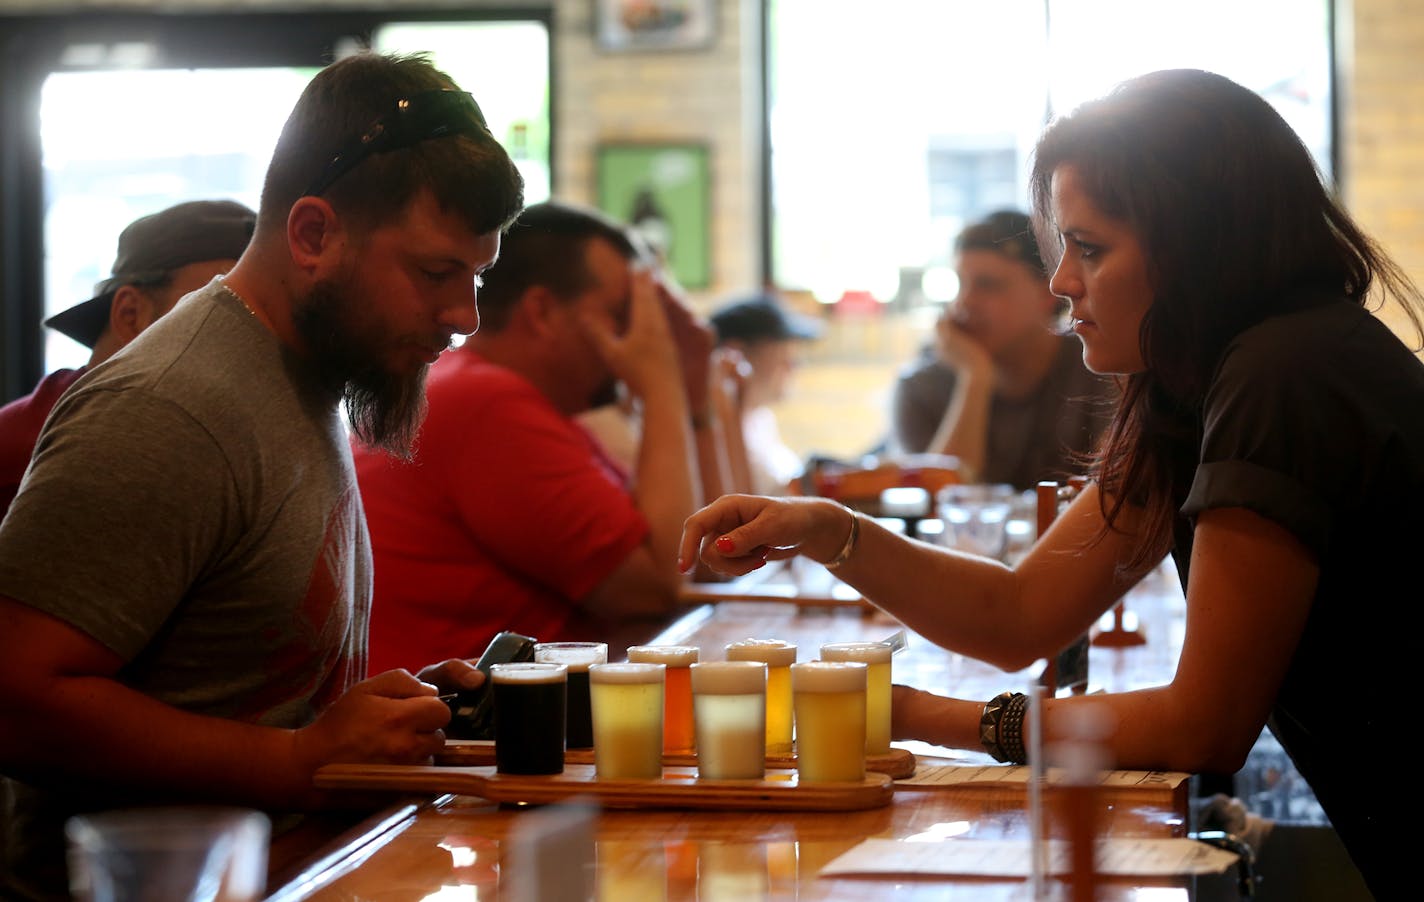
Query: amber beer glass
[[627, 701], [529, 703], [778, 657], [830, 720], [577, 656], [729, 706], [679, 736], [876, 656]]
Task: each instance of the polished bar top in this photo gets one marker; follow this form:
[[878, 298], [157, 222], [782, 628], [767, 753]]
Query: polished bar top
[[456, 847]]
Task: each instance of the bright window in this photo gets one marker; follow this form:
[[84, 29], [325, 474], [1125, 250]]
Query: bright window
[[171, 135], [922, 113]]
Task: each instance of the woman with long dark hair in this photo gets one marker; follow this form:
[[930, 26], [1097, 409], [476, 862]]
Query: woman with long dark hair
[[1269, 436]]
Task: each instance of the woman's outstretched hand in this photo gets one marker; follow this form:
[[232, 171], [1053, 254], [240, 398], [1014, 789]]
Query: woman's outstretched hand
[[736, 534]]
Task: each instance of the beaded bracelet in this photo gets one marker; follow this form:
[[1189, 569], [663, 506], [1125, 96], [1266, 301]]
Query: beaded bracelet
[[849, 545], [1001, 727]]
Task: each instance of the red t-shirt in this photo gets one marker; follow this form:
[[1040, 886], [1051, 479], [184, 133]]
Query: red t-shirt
[[508, 515], [20, 424]]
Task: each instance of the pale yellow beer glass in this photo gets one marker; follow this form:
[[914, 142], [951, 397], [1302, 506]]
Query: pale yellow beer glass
[[830, 720], [679, 736], [729, 705], [778, 657], [627, 702], [876, 656]]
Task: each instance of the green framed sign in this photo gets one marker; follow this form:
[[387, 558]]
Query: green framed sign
[[661, 191]]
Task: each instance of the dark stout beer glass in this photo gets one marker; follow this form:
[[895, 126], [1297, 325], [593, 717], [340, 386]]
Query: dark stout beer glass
[[577, 656], [529, 701]]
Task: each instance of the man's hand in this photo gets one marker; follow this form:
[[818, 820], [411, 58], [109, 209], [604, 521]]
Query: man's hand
[[730, 372], [695, 340], [958, 349], [644, 356], [391, 718], [452, 675]]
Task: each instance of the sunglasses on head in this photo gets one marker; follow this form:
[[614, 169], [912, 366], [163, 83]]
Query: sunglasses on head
[[420, 117]]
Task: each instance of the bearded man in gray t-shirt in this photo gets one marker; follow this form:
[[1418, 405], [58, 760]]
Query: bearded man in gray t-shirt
[[185, 573]]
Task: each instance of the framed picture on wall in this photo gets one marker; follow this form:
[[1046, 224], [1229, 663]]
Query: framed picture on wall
[[654, 24], [662, 191]]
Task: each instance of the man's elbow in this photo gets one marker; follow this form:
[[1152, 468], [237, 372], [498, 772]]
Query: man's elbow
[[626, 599]]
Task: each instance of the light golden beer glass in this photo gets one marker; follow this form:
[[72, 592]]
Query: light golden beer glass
[[678, 731], [778, 657], [627, 702], [876, 656], [729, 705], [830, 720]]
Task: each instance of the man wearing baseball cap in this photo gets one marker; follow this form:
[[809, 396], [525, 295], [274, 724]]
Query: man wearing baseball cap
[[162, 257], [765, 333]]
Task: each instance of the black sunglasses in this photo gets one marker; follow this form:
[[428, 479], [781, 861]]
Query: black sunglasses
[[420, 117]]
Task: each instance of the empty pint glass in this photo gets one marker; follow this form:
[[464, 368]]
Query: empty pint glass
[[729, 705], [830, 720], [778, 657], [578, 657], [876, 656], [678, 730], [529, 701], [627, 704]]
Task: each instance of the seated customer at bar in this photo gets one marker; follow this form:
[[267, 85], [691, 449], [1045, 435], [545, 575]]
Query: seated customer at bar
[[185, 573], [1268, 437], [764, 332], [509, 515], [999, 389], [162, 257]]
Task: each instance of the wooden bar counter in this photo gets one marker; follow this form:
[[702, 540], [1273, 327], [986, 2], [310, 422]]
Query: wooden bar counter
[[453, 847]]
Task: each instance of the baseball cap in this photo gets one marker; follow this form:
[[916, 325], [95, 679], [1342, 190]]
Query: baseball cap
[[153, 246], [762, 317]]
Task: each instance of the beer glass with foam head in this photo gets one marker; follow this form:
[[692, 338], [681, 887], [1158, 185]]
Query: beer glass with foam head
[[778, 657], [577, 656], [678, 731], [876, 656], [627, 701], [729, 706], [829, 697], [529, 700]]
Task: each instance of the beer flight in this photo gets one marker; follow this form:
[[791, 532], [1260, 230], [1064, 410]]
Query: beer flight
[[663, 700]]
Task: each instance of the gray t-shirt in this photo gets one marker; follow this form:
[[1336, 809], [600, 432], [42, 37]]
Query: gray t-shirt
[[1031, 438], [192, 506]]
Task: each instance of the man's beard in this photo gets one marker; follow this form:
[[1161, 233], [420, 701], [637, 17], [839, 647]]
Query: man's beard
[[385, 409]]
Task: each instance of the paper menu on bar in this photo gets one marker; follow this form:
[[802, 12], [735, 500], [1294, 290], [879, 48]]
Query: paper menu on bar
[[960, 774], [1010, 858]]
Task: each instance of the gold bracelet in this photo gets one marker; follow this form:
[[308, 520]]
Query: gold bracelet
[[849, 547]]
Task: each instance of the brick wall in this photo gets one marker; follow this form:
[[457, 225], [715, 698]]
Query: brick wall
[[1382, 101]]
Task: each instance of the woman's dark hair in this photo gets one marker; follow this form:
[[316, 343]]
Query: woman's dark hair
[[1236, 226], [472, 177]]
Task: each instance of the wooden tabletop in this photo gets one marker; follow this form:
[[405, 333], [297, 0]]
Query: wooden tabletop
[[457, 847]]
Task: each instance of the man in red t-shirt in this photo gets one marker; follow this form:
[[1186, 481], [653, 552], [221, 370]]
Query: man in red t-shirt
[[509, 514], [162, 257]]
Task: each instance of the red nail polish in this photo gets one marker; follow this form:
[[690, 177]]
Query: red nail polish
[[725, 545]]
